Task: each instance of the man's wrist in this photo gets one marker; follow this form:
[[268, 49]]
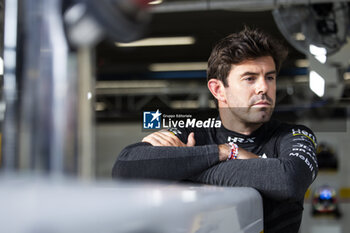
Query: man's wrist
[[224, 151], [228, 151], [233, 151]]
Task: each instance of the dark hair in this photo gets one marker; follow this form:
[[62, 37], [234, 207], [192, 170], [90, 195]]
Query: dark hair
[[244, 45]]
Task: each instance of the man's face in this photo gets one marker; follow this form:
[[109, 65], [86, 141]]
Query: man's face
[[251, 91]]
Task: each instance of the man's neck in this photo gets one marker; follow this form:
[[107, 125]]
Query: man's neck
[[238, 125]]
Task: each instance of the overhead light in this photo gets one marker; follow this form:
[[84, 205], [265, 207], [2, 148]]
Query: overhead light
[[184, 66], [160, 41], [320, 53], [299, 36], [128, 84], [321, 58], [301, 79], [302, 62], [100, 106], [155, 2], [317, 83], [182, 104], [89, 95], [347, 76]]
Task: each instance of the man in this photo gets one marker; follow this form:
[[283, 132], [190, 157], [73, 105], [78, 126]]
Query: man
[[275, 158]]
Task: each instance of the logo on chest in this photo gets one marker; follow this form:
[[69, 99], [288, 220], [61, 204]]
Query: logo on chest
[[240, 140]]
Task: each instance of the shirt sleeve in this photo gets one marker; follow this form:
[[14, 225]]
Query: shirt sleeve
[[284, 177], [144, 161]]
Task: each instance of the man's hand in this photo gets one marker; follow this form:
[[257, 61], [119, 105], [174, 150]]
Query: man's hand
[[167, 138]]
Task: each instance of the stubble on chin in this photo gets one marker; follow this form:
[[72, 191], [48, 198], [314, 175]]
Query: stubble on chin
[[259, 115]]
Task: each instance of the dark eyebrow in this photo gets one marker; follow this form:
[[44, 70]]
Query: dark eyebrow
[[271, 72], [249, 73], [252, 73]]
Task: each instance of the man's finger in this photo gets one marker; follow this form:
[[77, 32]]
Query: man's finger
[[156, 139], [162, 139], [174, 139], [168, 139], [153, 141], [190, 140]]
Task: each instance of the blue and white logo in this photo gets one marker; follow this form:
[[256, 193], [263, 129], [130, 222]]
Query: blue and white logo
[[151, 120]]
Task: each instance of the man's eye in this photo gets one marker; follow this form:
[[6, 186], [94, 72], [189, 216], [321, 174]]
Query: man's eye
[[249, 79], [270, 78]]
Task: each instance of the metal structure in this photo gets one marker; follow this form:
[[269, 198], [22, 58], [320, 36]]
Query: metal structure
[[49, 80], [68, 207]]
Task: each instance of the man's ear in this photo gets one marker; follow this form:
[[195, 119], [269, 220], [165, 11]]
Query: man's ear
[[216, 87]]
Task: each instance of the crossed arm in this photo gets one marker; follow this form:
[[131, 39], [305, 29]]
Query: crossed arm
[[167, 138], [162, 155]]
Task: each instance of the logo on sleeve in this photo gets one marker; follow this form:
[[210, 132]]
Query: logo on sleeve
[[304, 133], [151, 120]]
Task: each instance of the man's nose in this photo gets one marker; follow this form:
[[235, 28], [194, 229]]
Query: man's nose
[[261, 86]]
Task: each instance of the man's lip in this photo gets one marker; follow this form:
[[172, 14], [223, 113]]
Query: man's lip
[[262, 103]]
